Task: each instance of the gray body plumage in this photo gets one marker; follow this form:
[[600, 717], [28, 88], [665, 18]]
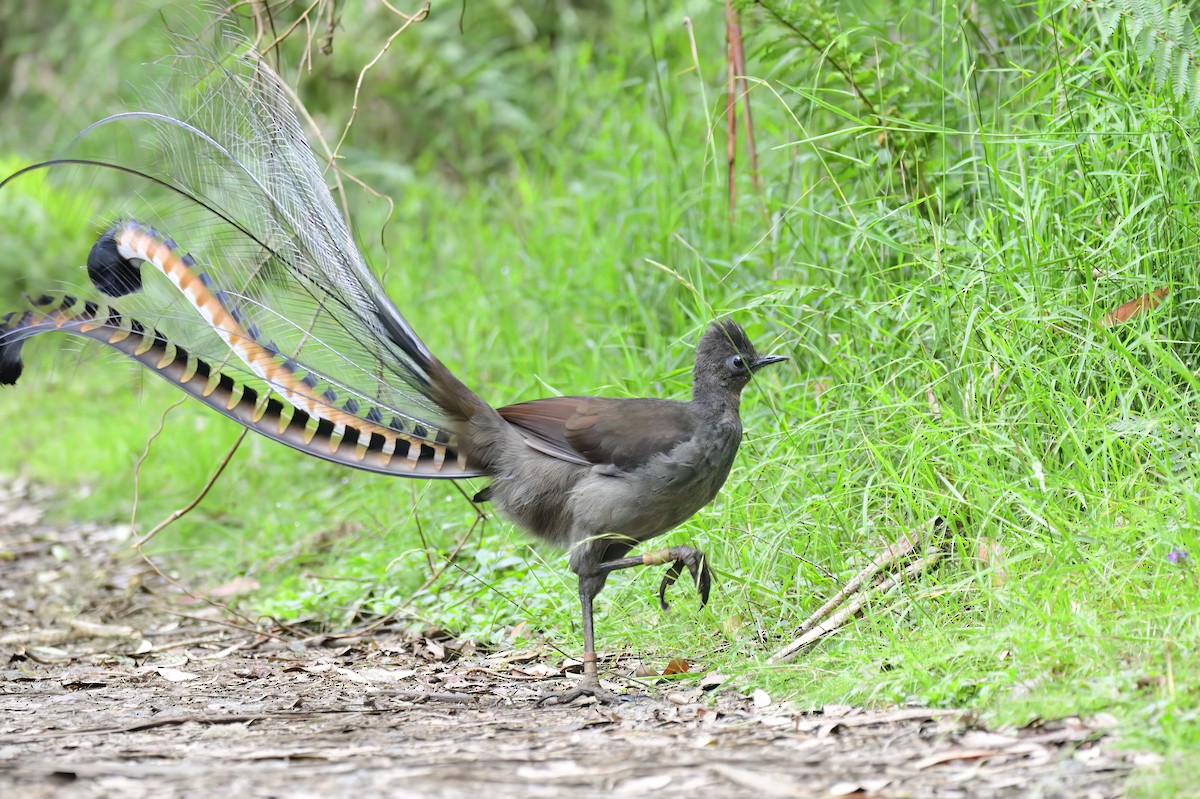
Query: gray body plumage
[[569, 504], [599, 475]]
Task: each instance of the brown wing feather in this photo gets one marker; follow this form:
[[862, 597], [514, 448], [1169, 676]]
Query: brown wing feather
[[626, 433]]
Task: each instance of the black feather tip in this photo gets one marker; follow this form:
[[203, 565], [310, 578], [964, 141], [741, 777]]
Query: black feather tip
[[109, 271], [10, 357]]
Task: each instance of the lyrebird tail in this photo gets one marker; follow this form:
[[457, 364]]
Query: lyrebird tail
[[272, 317]]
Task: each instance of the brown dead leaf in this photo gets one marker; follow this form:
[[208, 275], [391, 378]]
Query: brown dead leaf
[[351, 675], [1144, 303], [676, 666], [688, 697], [22, 516], [92, 629], [536, 671], [858, 787], [765, 783], [644, 786], [434, 650], [376, 674], [643, 670]]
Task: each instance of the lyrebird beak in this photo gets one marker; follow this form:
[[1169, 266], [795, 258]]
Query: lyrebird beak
[[766, 360]]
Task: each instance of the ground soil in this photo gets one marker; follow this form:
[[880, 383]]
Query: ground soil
[[113, 682]]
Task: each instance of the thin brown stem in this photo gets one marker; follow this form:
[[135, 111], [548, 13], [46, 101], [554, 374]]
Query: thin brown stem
[[186, 509], [731, 108], [137, 466], [739, 66]]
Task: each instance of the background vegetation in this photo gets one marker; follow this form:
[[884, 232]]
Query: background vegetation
[[953, 200]]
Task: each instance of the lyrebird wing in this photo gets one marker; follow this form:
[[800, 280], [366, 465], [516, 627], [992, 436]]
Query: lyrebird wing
[[625, 434]]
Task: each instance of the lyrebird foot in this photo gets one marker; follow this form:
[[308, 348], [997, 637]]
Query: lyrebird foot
[[678, 557], [585, 687], [695, 562]]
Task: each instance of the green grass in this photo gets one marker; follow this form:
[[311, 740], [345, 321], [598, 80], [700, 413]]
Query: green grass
[[947, 360]]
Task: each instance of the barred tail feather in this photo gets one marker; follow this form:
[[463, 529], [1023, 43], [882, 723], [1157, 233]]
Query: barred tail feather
[[357, 445], [271, 275], [10, 347]]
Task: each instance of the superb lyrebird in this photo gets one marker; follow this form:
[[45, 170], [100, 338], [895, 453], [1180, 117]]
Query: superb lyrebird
[[273, 318]]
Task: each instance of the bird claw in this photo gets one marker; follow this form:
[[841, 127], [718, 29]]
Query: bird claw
[[588, 686], [697, 564]]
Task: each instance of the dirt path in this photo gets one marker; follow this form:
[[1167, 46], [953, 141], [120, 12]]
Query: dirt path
[[107, 690]]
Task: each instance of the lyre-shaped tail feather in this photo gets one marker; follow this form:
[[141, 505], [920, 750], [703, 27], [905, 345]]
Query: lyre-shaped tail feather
[[220, 161], [358, 444], [113, 266], [278, 292]]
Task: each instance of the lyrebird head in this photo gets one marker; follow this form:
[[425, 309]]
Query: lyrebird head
[[725, 357]]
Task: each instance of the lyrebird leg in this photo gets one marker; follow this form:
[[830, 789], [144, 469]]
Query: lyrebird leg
[[589, 587]]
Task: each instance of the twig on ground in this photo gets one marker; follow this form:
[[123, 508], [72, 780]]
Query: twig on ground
[[848, 601]]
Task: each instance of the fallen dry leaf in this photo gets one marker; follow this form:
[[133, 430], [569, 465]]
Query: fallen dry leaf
[[1125, 312], [22, 516], [952, 755], [676, 666], [92, 629], [688, 697], [382, 675], [858, 787], [538, 671], [434, 650], [351, 675]]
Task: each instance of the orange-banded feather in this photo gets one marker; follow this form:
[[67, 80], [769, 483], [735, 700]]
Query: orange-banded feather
[[111, 268], [358, 444]]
